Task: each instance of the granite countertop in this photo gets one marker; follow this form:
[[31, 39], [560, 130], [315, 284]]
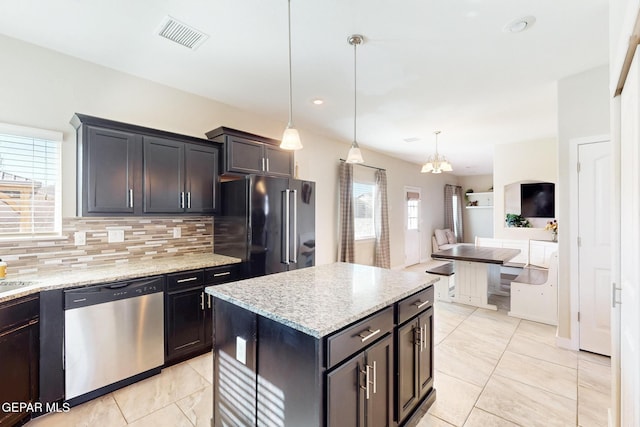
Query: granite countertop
[[18, 286], [320, 300]]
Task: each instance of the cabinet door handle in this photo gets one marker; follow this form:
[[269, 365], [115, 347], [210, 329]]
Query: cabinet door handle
[[417, 336], [375, 378], [202, 301], [267, 164], [190, 279], [371, 334], [226, 273], [419, 304], [209, 301], [131, 197], [188, 199], [182, 200], [422, 338], [366, 372], [263, 165]]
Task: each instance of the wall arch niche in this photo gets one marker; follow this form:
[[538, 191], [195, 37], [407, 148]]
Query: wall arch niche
[[536, 197]]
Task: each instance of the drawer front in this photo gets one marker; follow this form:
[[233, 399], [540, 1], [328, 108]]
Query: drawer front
[[358, 336], [416, 303], [185, 279], [222, 274], [19, 311]]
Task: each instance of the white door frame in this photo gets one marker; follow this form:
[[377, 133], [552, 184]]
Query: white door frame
[[574, 287], [420, 210]]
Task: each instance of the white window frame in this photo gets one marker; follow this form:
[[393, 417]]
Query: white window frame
[[357, 237], [49, 135]]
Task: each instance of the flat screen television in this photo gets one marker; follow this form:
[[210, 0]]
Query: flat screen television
[[537, 200]]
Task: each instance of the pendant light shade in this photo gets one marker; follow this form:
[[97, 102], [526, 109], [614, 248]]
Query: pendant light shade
[[436, 163], [355, 156], [290, 137]]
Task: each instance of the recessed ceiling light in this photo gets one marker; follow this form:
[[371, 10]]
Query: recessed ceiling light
[[318, 101], [519, 25]]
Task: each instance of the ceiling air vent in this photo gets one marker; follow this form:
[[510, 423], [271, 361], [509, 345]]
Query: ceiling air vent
[[176, 31]]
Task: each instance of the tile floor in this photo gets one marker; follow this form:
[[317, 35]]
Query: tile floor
[[491, 370]]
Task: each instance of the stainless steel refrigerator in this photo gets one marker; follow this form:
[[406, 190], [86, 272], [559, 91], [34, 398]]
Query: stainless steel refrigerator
[[268, 222]]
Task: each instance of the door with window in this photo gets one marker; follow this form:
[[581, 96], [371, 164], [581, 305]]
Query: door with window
[[412, 234]]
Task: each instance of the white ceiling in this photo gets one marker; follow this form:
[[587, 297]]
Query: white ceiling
[[425, 65]]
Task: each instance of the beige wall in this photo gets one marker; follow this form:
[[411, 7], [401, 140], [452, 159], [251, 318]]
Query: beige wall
[[477, 222], [42, 88], [522, 162], [583, 111]]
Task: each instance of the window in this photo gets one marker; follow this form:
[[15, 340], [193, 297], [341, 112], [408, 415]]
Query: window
[[413, 210], [364, 198], [29, 181]]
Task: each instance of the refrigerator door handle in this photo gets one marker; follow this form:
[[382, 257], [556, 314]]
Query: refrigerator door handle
[[295, 227], [284, 256]]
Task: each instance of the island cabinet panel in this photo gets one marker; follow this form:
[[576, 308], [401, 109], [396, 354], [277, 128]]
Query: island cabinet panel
[[290, 376], [360, 391], [234, 365], [414, 347]]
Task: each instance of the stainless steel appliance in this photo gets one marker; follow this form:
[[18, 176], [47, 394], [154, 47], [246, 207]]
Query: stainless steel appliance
[[268, 222], [114, 335]]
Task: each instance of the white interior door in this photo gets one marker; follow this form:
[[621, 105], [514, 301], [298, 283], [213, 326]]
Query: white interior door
[[412, 234], [630, 248], [594, 251]]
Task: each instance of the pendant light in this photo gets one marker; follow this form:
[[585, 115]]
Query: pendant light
[[355, 156], [436, 163], [290, 137]]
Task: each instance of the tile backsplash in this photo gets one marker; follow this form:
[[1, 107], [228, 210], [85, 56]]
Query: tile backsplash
[[145, 238]]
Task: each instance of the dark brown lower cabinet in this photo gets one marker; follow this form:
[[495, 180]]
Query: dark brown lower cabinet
[[360, 392], [376, 372], [188, 308], [19, 350], [414, 346]]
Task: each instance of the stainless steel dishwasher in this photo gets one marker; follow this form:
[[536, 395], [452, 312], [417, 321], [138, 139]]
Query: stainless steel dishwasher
[[114, 335]]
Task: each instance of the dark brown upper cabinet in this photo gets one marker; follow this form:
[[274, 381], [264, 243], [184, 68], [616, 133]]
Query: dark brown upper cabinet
[[125, 169], [246, 153]]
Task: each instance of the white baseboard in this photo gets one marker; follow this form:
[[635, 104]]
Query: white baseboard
[[566, 343]]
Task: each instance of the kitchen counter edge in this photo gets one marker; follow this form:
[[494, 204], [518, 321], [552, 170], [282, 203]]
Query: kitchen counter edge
[[20, 286]]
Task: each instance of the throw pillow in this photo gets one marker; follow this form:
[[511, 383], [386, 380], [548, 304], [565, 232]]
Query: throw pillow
[[441, 237], [451, 238]]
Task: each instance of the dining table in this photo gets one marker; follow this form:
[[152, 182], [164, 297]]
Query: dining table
[[475, 269]]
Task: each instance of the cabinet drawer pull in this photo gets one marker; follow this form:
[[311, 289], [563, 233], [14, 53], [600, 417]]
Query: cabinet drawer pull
[[371, 334], [420, 304], [190, 279], [226, 273]]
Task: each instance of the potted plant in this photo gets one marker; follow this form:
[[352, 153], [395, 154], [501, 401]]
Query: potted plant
[[517, 220]]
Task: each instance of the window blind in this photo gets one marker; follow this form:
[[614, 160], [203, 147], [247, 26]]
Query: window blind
[[29, 181]]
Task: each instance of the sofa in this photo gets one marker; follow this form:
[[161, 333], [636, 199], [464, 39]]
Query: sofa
[[443, 239]]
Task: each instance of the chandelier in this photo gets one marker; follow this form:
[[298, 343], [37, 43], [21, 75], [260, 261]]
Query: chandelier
[[436, 163]]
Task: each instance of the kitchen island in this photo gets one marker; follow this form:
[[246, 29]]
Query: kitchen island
[[331, 345]]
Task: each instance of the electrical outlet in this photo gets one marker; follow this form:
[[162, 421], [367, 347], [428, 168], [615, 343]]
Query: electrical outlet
[[80, 238], [177, 232], [116, 236]]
